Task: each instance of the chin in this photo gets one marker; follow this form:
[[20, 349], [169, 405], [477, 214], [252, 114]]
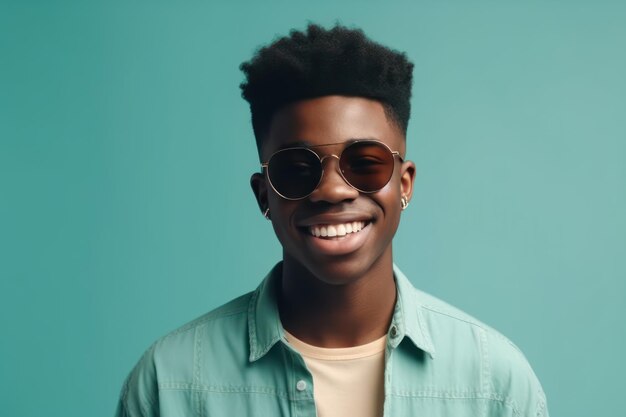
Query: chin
[[337, 271]]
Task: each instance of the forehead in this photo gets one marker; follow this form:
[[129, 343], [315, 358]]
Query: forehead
[[328, 120]]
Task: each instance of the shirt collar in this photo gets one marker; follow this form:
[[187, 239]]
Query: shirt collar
[[265, 328], [408, 316]]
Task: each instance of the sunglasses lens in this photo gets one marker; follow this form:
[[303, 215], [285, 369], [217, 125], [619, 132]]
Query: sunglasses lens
[[294, 173], [367, 166]]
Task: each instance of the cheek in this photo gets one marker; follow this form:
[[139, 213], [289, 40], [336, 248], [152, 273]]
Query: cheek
[[281, 214], [389, 197], [389, 201]]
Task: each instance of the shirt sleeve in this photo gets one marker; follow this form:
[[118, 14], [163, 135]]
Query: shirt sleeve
[[139, 395]]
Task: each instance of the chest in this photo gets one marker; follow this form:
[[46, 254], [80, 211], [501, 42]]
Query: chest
[[283, 384]]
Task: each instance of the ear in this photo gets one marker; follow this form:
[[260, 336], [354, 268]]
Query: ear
[[259, 188], [407, 179]]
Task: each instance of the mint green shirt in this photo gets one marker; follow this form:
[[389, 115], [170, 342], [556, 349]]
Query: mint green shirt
[[235, 361]]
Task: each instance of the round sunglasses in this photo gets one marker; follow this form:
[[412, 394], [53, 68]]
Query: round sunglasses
[[365, 165]]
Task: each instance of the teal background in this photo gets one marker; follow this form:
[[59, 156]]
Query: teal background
[[125, 154]]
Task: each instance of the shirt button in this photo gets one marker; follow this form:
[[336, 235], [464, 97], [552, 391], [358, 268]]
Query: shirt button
[[393, 331], [301, 385]]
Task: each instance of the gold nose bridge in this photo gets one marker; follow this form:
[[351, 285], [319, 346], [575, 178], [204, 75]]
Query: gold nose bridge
[[323, 158]]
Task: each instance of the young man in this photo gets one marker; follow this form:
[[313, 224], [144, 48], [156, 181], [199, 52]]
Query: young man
[[335, 329]]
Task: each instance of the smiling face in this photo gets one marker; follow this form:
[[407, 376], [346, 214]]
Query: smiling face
[[363, 224]]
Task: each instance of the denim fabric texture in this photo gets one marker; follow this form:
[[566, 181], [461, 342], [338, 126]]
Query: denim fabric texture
[[235, 361]]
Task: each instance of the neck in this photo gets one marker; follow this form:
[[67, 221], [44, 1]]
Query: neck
[[328, 312]]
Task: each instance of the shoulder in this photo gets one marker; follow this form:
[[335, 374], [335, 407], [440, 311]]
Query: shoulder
[[511, 377], [220, 319], [502, 372], [229, 321], [172, 359]]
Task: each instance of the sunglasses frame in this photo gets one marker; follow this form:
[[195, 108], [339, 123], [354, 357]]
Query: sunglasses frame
[[264, 165]]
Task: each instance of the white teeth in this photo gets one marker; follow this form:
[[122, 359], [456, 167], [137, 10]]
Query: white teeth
[[334, 230]]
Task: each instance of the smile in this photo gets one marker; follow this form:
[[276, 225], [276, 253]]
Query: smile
[[336, 230]]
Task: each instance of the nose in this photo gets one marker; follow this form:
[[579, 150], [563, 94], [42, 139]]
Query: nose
[[333, 188]]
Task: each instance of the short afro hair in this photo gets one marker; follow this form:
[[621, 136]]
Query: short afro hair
[[320, 62]]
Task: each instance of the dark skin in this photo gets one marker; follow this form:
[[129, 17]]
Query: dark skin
[[337, 292]]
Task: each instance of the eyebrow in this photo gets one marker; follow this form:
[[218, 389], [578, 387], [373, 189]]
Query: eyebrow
[[303, 143]]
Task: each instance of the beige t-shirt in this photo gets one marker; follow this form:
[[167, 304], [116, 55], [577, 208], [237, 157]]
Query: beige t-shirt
[[346, 381]]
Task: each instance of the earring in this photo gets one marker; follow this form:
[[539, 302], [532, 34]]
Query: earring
[[404, 202], [266, 213]]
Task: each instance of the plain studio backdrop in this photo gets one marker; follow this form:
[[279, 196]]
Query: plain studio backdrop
[[126, 151]]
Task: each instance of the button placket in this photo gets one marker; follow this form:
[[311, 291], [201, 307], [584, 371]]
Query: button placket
[[393, 331], [301, 385]]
